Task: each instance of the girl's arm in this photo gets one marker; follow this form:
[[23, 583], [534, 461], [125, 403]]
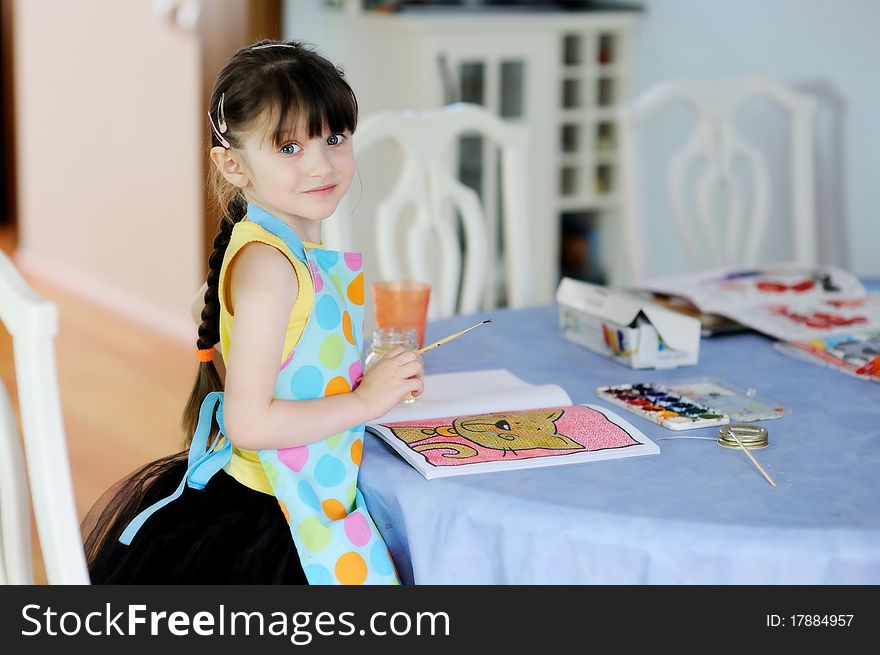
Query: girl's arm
[[264, 289]]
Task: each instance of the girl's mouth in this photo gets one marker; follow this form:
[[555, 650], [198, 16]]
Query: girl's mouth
[[322, 190]]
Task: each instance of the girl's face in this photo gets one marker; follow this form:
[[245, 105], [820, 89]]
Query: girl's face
[[302, 180]]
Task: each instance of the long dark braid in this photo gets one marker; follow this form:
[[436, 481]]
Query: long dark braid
[[207, 377]]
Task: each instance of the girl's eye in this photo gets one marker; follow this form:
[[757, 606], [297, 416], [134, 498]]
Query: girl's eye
[[335, 139], [290, 149]]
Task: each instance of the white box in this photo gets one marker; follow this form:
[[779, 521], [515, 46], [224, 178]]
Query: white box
[[632, 331]]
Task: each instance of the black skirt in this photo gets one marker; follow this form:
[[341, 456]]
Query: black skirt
[[225, 533]]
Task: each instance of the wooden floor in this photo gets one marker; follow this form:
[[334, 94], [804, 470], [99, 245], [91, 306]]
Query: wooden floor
[[122, 389]]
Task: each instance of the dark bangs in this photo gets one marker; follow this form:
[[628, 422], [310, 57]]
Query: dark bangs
[[306, 91]]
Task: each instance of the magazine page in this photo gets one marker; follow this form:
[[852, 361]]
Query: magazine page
[[806, 320], [733, 291], [504, 440], [788, 302]]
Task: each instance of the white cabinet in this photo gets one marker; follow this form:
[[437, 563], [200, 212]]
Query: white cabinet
[[562, 74]]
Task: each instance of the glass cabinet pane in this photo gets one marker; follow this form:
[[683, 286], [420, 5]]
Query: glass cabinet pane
[[473, 82], [605, 136], [470, 162], [568, 180], [570, 138], [606, 53], [604, 181], [512, 89], [605, 92], [572, 49], [572, 94]]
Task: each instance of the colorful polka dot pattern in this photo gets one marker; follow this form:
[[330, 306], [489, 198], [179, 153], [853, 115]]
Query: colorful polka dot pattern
[[316, 485], [334, 509], [337, 385], [351, 568], [316, 276]]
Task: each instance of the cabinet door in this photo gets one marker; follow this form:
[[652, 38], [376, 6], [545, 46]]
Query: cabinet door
[[514, 74]]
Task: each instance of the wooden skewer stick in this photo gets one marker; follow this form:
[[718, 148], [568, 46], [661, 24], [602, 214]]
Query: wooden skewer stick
[[752, 457], [451, 337]]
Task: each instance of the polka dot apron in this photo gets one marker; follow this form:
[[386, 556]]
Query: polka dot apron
[[316, 485]]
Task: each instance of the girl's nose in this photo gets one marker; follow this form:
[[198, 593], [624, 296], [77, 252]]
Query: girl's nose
[[318, 162]]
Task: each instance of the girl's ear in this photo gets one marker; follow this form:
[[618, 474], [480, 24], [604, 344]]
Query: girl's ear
[[229, 166]]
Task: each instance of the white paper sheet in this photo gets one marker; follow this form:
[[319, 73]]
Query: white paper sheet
[[476, 392]]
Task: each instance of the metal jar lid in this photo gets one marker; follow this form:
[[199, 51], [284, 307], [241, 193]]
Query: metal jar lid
[[751, 436]]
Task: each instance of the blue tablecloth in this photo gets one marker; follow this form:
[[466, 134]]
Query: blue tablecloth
[[697, 513]]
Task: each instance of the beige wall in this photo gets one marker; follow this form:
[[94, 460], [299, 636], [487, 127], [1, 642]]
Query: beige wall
[[110, 155]]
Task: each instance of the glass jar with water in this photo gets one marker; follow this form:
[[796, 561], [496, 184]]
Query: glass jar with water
[[385, 340]]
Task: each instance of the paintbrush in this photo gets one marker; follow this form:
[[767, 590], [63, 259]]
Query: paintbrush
[[752, 457], [451, 337]]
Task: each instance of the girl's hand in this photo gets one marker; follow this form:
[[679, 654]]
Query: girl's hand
[[391, 378]]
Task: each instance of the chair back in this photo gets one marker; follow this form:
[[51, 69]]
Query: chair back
[[33, 323], [433, 228], [718, 184]]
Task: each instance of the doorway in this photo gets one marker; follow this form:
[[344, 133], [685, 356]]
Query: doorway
[[225, 26], [7, 131]]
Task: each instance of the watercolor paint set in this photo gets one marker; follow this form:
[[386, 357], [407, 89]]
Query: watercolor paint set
[[741, 405], [663, 405], [690, 404]]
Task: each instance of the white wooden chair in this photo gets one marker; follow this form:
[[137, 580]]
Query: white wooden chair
[[429, 247], [33, 324], [713, 148]]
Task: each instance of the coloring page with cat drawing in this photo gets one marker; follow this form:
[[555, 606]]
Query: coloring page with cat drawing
[[531, 429]]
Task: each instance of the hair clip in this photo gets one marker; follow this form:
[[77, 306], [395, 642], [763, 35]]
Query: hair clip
[[223, 141], [221, 115], [221, 121], [273, 45]]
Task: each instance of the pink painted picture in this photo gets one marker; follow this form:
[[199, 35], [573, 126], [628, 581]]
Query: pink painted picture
[[514, 439]]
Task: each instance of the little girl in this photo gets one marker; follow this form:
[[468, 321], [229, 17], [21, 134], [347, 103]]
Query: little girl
[[267, 492]]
